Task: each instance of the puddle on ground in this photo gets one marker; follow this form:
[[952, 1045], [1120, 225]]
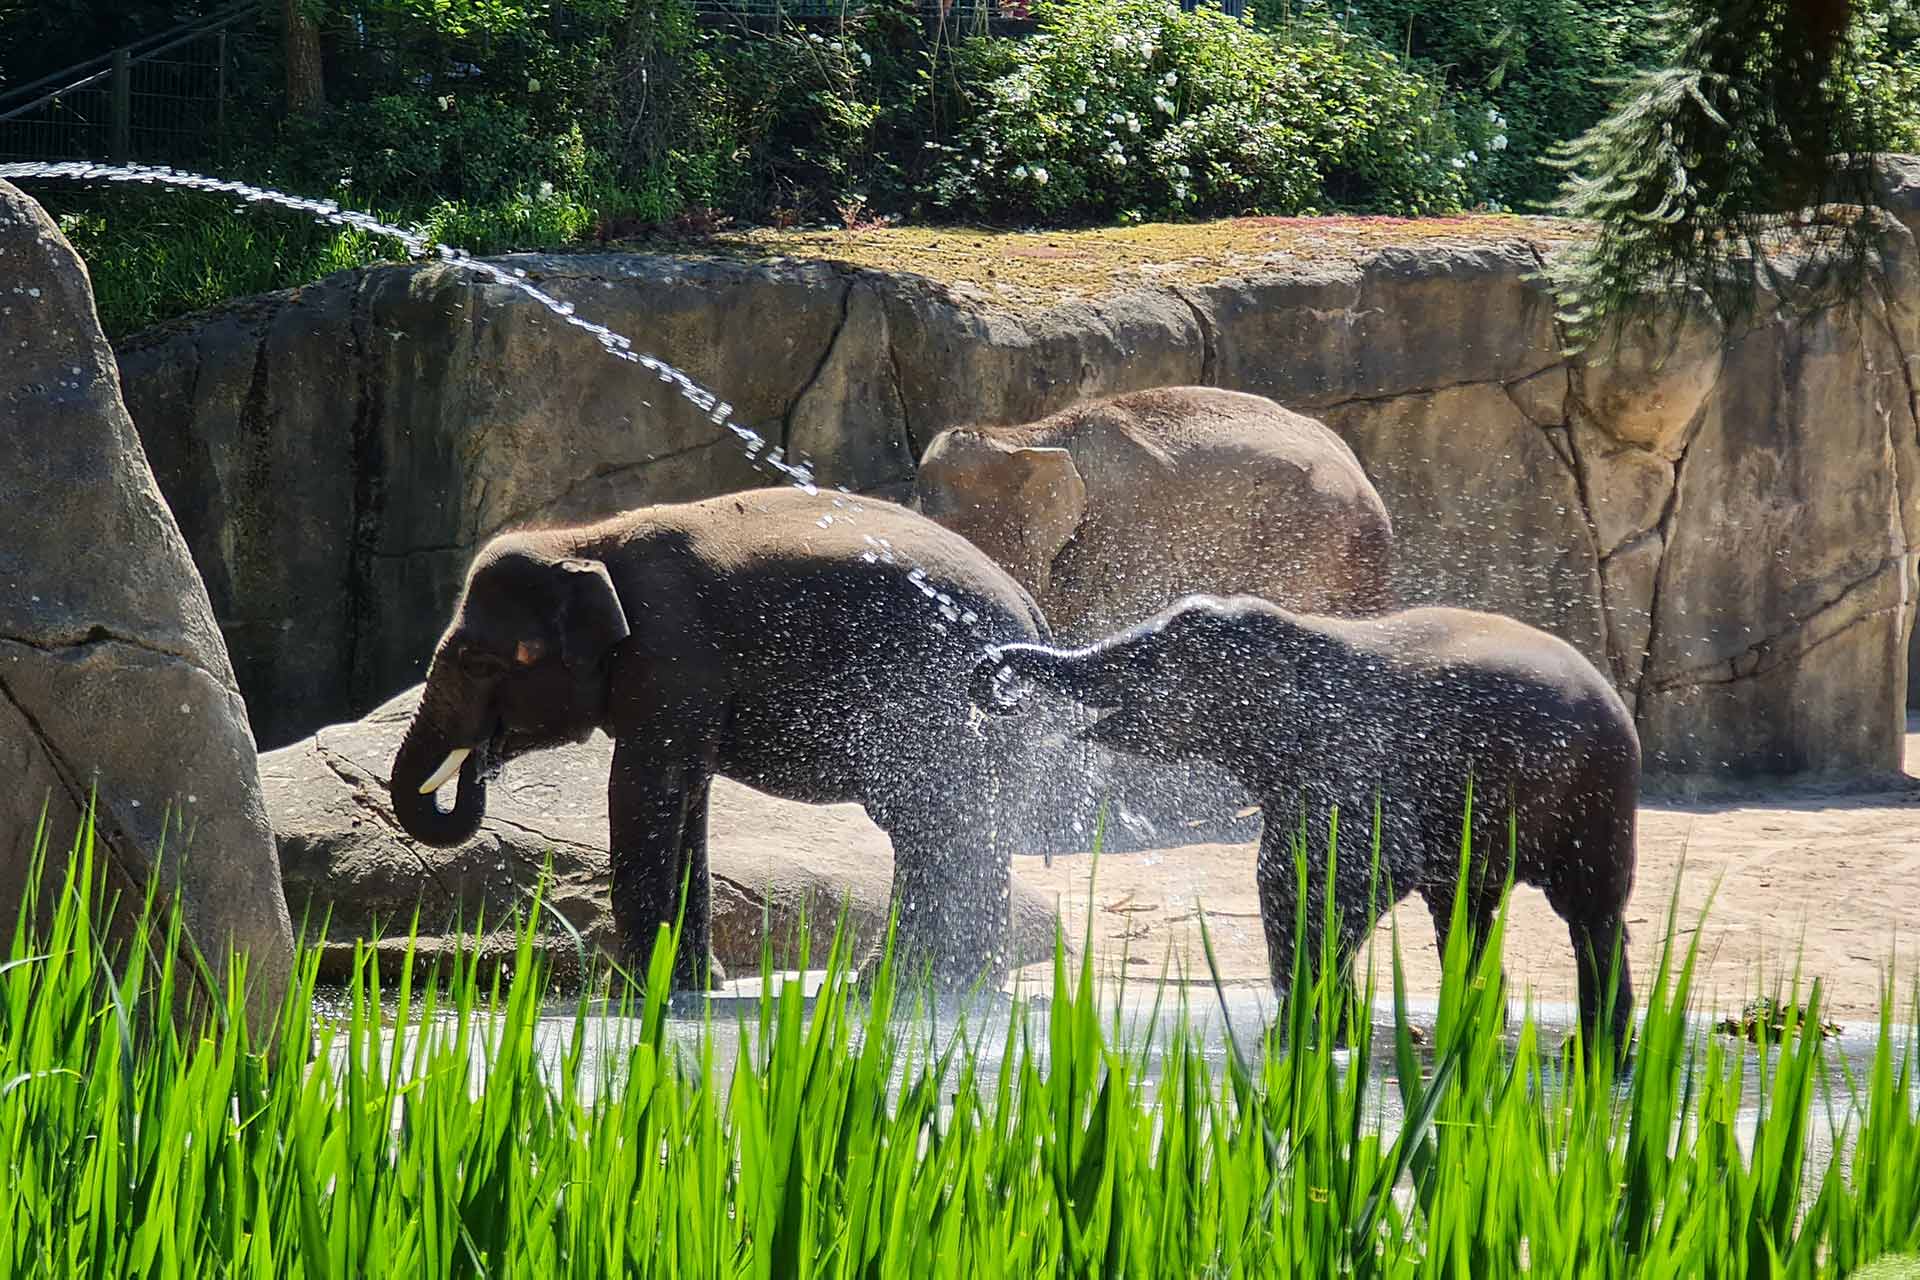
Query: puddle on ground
[[1216, 1021]]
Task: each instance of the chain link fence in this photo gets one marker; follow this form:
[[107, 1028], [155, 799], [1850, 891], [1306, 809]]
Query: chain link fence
[[162, 101]]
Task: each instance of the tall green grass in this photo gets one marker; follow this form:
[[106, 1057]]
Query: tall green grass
[[435, 1126], [153, 257]]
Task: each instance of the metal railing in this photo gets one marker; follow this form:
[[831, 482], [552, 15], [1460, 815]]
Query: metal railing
[[969, 16], [161, 100]]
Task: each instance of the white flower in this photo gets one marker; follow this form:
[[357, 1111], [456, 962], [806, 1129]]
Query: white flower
[[1040, 175], [866, 58], [1079, 106], [1117, 159], [1163, 104], [1473, 156], [446, 103], [546, 191], [1133, 123], [1170, 79], [1179, 191], [1458, 163], [1498, 142], [1183, 171], [533, 85], [1020, 173], [1121, 42]]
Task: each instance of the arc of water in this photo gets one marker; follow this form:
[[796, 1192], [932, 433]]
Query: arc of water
[[717, 411]]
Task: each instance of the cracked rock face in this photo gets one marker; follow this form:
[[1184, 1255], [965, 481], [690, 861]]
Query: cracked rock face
[[1726, 525], [113, 676], [1781, 606], [342, 851]]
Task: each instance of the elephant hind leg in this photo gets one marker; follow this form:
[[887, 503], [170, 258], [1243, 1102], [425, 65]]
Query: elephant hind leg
[[1589, 888]]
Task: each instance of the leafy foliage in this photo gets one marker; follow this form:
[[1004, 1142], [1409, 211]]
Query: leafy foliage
[[1133, 108], [1520, 76], [152, 260], [1737, 162]]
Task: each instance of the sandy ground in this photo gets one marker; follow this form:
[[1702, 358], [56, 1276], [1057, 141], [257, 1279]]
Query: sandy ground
[[1830, 881]]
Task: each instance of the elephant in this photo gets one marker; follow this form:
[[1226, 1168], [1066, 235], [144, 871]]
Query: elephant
[[1318, 715], [1111, 509], [814, 647]]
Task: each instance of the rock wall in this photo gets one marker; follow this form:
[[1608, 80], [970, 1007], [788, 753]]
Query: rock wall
[[114, 685], [1726, 523]]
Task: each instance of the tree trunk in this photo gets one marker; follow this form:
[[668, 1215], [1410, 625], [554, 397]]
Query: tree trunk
[[306, 87], [1825, 22]]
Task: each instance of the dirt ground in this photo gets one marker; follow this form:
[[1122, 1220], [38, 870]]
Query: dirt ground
[[1831, 881]]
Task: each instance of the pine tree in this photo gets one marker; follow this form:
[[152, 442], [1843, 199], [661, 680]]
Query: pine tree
[[1728, 169]]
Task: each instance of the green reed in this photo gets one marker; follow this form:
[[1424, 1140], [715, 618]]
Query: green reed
[[436, 1126]]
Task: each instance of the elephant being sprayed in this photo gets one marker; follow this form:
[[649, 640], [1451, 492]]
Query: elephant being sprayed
[[1313, 714], [770, 637], [1114, 508]]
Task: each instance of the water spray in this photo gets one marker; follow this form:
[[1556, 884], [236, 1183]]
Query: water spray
[[717, 411]]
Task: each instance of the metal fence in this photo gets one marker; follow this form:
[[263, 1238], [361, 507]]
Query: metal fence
[[163, 100], [953, 17], [961, 17]]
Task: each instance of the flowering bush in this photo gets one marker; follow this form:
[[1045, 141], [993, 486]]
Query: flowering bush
[[1135, 109]]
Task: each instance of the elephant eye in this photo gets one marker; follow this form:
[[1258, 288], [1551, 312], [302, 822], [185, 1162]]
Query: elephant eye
[[481, 666]]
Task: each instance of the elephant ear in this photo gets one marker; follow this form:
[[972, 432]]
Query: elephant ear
[[592, 620], [1054, 495]]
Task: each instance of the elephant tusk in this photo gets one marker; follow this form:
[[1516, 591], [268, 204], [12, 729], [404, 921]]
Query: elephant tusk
[[448, 767]]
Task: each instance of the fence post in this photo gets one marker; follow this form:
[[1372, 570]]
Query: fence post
[[121, 140], [220, 95]]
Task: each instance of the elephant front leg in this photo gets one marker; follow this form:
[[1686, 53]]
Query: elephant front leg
[[952, 900], [1297, 926], [1279, 916], [1483, 909], [952, 879], [657, 823]]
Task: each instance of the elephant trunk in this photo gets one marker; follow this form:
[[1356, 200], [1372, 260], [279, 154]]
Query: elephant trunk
[[428, 758], [1073, 673]]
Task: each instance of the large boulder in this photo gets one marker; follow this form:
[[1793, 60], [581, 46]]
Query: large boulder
[[347, 862], [114, 683]]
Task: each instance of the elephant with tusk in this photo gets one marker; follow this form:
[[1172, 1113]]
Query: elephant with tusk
[[1316, 714], [816, 648]]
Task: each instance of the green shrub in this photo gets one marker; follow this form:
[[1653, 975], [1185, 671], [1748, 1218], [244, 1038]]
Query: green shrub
[[1520, 74], [1133, 108], [154, 256]]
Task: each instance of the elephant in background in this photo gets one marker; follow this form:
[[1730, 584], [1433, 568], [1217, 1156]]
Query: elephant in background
[[1313, 714], [1112, 509], [815, 648]]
